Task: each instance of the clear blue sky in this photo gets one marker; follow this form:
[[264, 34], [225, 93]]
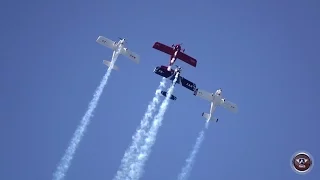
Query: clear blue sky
[[264, 54]]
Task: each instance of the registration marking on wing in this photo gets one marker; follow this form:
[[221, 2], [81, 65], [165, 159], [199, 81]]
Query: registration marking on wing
[[132, 56]]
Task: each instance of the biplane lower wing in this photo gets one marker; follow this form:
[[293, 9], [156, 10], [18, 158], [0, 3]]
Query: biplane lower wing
[[162, 71], [188, 84], [187, 59]]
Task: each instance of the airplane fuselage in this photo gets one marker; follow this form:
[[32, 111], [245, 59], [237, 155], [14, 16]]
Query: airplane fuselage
[[212, 108], [217, 97], [120, 45], [173, 57], [177, 72], [216, 101], [178, 78]]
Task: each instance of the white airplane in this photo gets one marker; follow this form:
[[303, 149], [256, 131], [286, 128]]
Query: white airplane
[[116, 46], [216, 99]]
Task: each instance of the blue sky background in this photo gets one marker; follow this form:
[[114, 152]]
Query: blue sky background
[[264, 54]]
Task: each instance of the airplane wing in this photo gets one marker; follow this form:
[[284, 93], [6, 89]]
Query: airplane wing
[[230, 106], [188, 84], [203, 94], [131, 55], [162, 71], [163, 48], [187, 59], [106, 42]]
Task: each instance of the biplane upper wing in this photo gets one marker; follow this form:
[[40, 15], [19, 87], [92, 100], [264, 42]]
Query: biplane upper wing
[[187, 59], [163, 48], [162, 71], [188, 84]]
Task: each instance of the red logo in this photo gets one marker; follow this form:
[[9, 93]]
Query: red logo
[[302, 162]]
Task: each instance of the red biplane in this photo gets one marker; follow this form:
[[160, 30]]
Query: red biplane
[[176, 52]]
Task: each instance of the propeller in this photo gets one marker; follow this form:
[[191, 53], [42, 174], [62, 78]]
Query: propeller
[[178, 67], [219, 91], [123, 39], [173, 45]]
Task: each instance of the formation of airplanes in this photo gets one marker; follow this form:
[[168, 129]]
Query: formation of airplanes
[[175, 52]]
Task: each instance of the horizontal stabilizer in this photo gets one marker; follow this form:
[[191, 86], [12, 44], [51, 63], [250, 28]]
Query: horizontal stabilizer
[[172, 97], [108, 63], [209, 117]]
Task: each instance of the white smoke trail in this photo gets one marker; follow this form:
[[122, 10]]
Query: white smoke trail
[[191, 159], [77, 136], [131, 152], [136, 168]]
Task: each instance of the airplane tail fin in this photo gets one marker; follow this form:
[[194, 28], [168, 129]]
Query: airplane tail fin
[[209, 118], [108, 63]]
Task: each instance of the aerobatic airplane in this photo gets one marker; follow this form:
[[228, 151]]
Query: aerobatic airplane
[[216, 99], [115, 46], [175, 52], [162, 71]]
